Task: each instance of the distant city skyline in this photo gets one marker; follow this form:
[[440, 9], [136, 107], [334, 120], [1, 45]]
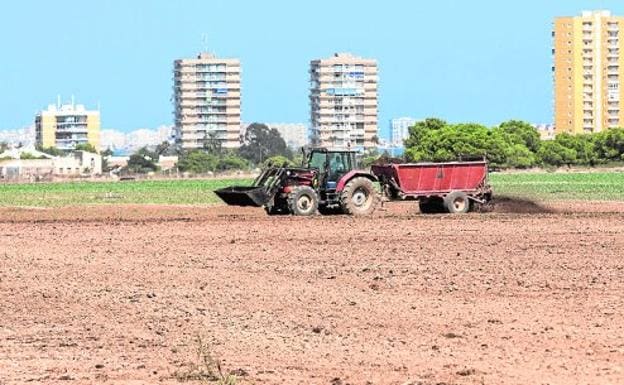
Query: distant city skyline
[[471, 62]]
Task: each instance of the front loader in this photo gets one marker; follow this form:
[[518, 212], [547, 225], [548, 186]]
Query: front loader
[[329, 182]]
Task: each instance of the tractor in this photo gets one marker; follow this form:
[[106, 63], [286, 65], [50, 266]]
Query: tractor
[[329, 182]]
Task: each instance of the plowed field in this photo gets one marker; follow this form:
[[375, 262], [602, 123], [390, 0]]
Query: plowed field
[[526, 294]]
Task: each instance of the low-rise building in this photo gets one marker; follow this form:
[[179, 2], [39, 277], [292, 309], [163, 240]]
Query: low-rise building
[[30, 164]]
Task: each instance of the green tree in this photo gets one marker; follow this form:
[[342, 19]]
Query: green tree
[[278, 161], [88, 147], [4, 146], [422, 130], [212, 143], [260, 142], [232, 162], [50, 150], [584, 147], [504, 146], [28, 155], [163, 148], [105, 155], [609, 144], [143, 161], [553, 153], [107, 152], [519, 156], [197, 162], [519, 132]]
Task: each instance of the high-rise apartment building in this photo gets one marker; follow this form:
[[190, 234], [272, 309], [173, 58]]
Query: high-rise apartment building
[[66, 126], [588, 69], [400, 129], [343, 101], [207, 97]]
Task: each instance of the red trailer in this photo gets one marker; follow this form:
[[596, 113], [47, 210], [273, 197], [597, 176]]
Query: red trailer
[[453, 187]]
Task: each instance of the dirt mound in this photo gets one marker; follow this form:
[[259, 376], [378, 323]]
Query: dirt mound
[[506, 204]]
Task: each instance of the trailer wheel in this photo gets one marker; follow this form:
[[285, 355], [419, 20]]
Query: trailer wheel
[[359, 197], [457, 202], [303, 201]]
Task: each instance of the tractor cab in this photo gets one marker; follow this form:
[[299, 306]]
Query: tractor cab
[[331, 165]]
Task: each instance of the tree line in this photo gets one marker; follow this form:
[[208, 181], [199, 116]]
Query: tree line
[[512, 144], [260, 145]]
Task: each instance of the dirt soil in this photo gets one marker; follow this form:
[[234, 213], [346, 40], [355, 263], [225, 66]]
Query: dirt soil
[[527, 294]]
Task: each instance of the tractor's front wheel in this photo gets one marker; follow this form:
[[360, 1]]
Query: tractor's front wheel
[[303, 201], [359, 197]]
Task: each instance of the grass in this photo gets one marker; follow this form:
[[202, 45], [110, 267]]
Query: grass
[[560, 186], [183, 192], [539, 186]]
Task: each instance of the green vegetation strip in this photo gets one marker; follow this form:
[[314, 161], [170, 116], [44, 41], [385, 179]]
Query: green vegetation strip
[[181, 192], [538, 186], [561, 186]]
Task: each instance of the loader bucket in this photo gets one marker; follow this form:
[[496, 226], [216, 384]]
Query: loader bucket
[[244, 195]]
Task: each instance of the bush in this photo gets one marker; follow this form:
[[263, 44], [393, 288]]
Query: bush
[[201, 162], [197, 162], [143, 161], [232, 162]]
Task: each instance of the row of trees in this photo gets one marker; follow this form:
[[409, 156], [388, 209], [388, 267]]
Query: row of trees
[[513, 144], [260, 144]]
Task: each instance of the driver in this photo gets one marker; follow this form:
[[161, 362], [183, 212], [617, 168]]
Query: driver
[[336, 167]]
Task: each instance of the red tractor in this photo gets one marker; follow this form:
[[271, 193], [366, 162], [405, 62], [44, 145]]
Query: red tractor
[[329, 182]]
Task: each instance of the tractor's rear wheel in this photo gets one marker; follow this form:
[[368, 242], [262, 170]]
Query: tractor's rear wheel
[[457, 202], [359, 197], [303, 201]]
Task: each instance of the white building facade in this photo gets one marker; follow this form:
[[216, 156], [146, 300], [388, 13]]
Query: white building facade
[[207, 98], [343, 102], [399, 128]]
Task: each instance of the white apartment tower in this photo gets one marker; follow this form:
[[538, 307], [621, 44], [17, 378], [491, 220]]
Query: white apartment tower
[[343, 102], [207, 97], [400, 129]]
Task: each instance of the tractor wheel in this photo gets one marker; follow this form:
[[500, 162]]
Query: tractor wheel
[[457, 202], [359, 197], [302, 200], [431, 206]]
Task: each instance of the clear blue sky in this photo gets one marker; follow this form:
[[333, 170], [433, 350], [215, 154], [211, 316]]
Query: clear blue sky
[[479, 60]]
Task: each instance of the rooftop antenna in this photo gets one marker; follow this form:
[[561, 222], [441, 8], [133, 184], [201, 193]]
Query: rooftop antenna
[[73, 101], [58, 101], [204, 39]]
